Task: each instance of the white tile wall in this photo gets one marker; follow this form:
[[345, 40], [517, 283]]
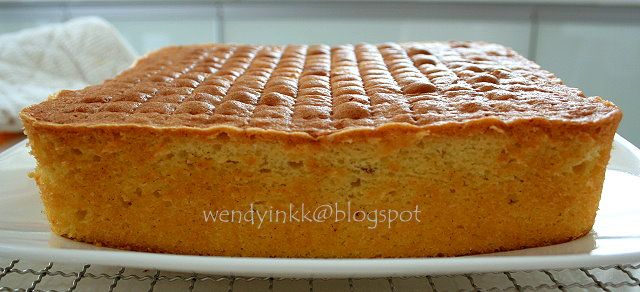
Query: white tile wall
[[366, 22], [149, 27], [598, 51], [593, 48], [17, 17]]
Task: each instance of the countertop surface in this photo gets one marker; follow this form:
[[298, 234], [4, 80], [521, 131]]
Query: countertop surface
[[40, 275]]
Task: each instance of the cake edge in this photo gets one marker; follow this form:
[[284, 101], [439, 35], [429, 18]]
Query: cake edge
[[612, 118]]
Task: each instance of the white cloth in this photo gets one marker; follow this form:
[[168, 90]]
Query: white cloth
[[37, 62]]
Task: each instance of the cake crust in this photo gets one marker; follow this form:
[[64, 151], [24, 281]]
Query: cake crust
[[319, 90], [498, 153]]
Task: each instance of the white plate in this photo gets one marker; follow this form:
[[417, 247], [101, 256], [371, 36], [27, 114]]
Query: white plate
[[615, 239]]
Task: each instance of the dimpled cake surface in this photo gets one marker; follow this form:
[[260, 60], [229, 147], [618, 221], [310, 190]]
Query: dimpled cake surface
[[490, 151]]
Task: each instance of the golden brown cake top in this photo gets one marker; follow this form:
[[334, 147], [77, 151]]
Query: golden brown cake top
[[321, 90]]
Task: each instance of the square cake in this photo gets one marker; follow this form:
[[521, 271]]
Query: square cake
[[489, 151]]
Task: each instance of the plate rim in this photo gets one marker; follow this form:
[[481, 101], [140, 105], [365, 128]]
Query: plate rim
[[314, 267], [319, 268]]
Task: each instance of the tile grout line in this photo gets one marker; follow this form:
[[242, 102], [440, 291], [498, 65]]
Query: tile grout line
[[534, 30]]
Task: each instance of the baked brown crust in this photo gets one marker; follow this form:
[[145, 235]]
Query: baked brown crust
[[314, 91], [498, 153]]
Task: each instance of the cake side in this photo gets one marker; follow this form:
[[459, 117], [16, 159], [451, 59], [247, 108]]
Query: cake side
[[482, 186], [497, 153]]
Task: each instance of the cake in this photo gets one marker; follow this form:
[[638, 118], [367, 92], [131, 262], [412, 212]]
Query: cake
[[485, 150]]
